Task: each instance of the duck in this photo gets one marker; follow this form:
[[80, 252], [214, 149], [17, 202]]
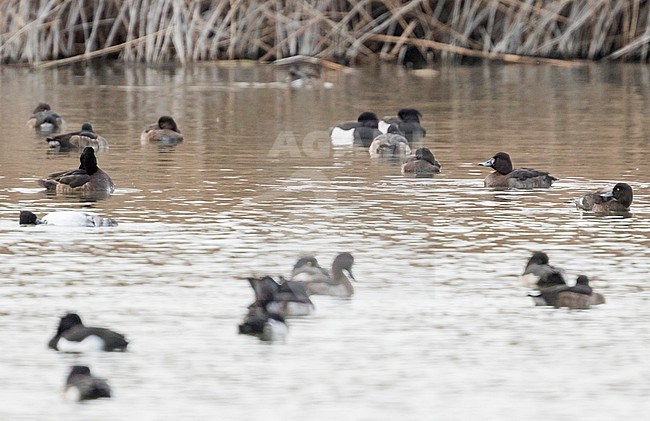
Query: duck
[[579, 297], [77, 140], [67, 219], [361, 132], [285, 298], [263, 319], [44, 119], [422, 163], [72, 336], [87, 178], [539, 274], [81, 385], [407, 122], [504, 176], [392, 143], [615, 200], [164, 131], [319, 282]]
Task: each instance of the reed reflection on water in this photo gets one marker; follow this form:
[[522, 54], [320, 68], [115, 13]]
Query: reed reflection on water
[[438, 322]]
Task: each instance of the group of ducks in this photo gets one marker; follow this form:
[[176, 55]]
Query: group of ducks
[[275, 300], [393, 136]]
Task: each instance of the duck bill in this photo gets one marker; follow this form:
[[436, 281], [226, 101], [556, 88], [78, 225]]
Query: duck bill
[[487, 163], [607, 194], [351, 275]]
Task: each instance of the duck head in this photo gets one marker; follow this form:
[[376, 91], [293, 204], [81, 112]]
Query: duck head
[[166, 122], [409, 114], [68, 321], [622, 192], [500, 162], [88, 160], [368, 119]]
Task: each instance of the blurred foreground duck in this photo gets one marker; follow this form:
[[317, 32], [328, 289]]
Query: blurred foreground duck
[[67, 219], [318, 281], [361, 132], [88, 177], [408, 123], [81, 385], [78, 140], [72, 336], [616, 200], [552, 289], [286, 298], [422, 163], [504, 176], [165, 131], [44, 119]]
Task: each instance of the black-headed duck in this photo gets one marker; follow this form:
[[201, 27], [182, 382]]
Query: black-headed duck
[[72, 336], [408, 122], [67, 219], [78, 140], [87, 178], [319, 282], [392, 143], [81, 385], [44, 119], [286, 298], [617, 200], [263, 319], [580, 296], [504, 176], [422, 163], [361, 132], [164, 131]]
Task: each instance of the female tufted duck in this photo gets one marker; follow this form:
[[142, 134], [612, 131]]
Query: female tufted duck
[[539, 274], [77, 140], [67, 219], [392, 143], [505, 176], [81, 385], [87, 178], [579, 297], [165, 131], [319, 282], [422, 163], [73, 336], [44, 119], [617, 200]]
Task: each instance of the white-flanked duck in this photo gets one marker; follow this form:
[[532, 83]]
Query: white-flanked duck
[[361, 132], [72, 336], [67, 219]]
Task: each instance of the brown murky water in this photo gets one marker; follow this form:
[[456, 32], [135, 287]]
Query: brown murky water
[[439, 323]]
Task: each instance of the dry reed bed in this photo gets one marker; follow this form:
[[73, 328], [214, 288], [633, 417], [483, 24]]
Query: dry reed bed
[[156, 31]]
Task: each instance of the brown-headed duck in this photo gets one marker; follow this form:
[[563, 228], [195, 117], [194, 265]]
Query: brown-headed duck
[[580, 296], [617, 200], [44, 119], [423, 163], [504, 176], [164, 131], [318, 281], [392, 143]]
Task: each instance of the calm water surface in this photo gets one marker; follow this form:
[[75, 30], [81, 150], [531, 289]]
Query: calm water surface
[[439, 323]]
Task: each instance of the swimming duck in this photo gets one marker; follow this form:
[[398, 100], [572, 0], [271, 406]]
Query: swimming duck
[[361, 132], [88, 177], [44, 119], [165, 131], [263, 319], [318, 282], [505, 176], [67, 219], [618, 199], [80, 139], [81, 385], [285, 298], [73, 336], [423, 163], [539, 274], [390, 144], [580, 296], [408, 122]]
